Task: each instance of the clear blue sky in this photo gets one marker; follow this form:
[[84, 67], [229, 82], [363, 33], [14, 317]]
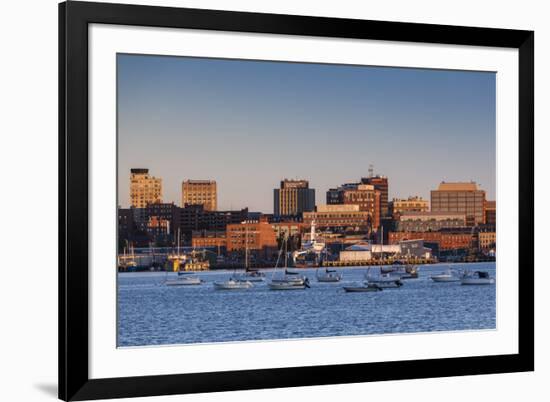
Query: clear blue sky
[[249, 124]]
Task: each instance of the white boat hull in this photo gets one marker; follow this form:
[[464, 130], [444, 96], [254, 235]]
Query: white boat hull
[[232, 285], [183, 282], [329, 279], [286, 286], [445, 278], [477, 281]]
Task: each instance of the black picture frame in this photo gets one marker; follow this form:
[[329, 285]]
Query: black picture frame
[[74, 18]]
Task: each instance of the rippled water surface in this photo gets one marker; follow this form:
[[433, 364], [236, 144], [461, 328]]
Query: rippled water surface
[[150, 313]]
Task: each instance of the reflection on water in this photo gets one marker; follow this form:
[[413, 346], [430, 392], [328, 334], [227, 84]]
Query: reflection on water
[[153, 314]]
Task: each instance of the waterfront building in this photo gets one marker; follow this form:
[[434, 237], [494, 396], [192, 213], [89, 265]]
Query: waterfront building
[[430, 221], [366, 251], [487, 240], [209, 239], [340, 218], [256, 236], [462, 197], [445, 240], [200, 192], [399, 206], [491, 212], [144, 188], [380, 183], [293, 198], [194, 217], [288, 228]]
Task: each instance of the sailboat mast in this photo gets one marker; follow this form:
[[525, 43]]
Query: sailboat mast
[[246, 248]]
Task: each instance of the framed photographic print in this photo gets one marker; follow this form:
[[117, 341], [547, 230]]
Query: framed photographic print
[[257, 201]]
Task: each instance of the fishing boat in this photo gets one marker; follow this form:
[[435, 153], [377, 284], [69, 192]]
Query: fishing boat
[[361, 289], [476, 278], [450, 275], [289, 280], [127, 262]]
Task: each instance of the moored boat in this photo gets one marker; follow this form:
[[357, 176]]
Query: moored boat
[[232, 284], [450, 275], [289, 280], [477, 278], [361, 289], [385, 281], [329, 275], [184, 279]]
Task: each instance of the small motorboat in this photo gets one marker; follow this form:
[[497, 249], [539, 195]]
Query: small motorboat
[[232, 284], [360, 289], [329, 275], [184, 279], [477, 278], [450, 275]]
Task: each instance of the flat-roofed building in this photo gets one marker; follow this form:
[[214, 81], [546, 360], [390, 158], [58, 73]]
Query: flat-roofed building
[[209, 239], [144, 188], [491, 212], [365, 196], [380, 183], [487, 240], [200, 192], [195, 217], [339, 218], [257, 236], [445, 240], [430, 221], [293, 198], [464, 197], [399, 206]]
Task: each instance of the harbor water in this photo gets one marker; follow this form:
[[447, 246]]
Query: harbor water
[[150, 313]]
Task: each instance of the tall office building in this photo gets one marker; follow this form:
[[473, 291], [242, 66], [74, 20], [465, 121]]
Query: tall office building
[[490, 212], [144, 188], [365, 196], [200, 192], [380, 183], [462, 197], [293, 198]]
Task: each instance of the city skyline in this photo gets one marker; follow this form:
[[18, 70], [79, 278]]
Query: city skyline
[[322, 123]]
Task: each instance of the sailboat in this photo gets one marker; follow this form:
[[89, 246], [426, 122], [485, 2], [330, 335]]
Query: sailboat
[[382, 280], [329, 275], [183, 278], [236, 282], [250, 275], [290, 280]]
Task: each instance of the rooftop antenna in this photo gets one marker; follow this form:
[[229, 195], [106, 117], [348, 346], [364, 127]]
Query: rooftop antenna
[[371, 170]]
